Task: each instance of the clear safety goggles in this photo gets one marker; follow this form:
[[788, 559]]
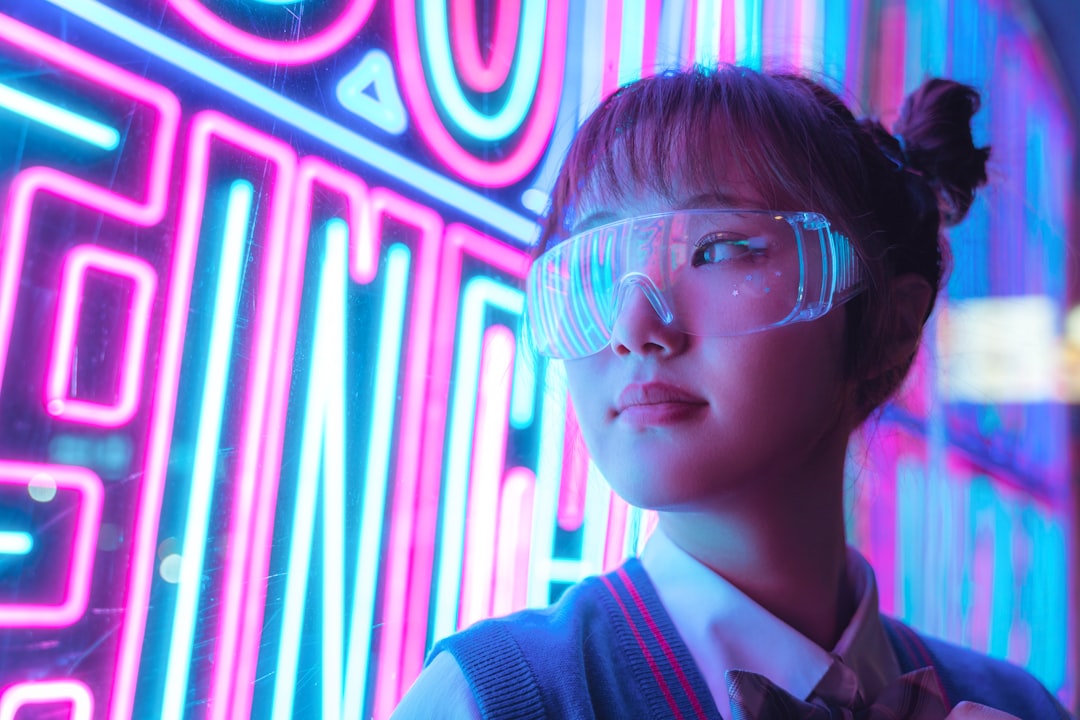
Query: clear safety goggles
[[705, 272]]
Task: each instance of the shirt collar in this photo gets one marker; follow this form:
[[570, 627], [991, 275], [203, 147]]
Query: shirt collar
[[726, 630]]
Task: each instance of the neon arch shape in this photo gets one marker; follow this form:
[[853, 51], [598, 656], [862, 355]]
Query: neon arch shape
[[315, 47], [435, 31], [537, 128], [479, 75]]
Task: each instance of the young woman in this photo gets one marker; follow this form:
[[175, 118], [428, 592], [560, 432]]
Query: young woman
[[736, 272]]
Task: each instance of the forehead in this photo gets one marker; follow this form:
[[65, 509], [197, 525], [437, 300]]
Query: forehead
[[593, 212]]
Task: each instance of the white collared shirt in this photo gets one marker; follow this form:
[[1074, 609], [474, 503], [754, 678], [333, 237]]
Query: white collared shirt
[[726, 630]]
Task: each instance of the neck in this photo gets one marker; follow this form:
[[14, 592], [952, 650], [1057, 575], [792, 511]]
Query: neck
[[782, 544]]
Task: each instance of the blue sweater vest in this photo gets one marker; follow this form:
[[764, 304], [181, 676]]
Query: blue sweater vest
[[607, 649]]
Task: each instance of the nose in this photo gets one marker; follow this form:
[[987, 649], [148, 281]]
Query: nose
[[644, 323]]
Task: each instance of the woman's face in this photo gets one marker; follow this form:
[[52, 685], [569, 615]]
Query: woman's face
[[677, 421]]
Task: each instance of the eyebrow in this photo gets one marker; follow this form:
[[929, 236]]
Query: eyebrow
[[701, 201]]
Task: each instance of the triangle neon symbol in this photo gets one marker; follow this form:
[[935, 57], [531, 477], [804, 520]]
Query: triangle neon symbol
[[370, 91]]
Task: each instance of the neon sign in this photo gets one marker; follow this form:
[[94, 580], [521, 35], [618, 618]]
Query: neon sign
[[267, 425]]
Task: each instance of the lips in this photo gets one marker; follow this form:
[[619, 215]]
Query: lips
[[656, 403]]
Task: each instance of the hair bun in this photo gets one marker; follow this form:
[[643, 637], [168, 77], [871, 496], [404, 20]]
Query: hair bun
[[935, 124]]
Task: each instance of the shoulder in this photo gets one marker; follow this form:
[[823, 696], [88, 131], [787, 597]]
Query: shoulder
[[586, 656], [969, 675], [440, 693]]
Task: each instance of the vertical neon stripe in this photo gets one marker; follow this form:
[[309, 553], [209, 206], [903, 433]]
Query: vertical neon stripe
[[476, 296], [549, 465], [261, 429], [416, 412], [707, 31], [486, 473], [748, 27], [523, 401], [612, 45], [615, 543], [512, 542], [204, 470], [376, 478], [632, 41], [574, 476], [835, 40], [322, 457]]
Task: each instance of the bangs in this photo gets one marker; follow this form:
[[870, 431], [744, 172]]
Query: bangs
[[695, 133]]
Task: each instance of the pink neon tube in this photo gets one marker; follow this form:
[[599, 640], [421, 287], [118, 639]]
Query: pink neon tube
[[488, 458], [71, 607], [481, 76], [294, 52], [58, 377], [537, 129], [575, 472], [261, 419], [412, 542], [312, 172], [415, 413], [512, 545], [612, 47], [146, 212]]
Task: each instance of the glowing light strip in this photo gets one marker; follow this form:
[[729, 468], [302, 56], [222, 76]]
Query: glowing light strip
[[376, 476], [333, 303], [311, 171], [612, 46], [80, 564], [31, 181], [571, 508], [485, 478], [523, 401], [615, 544], [837, 15], [748, 16], [480, 76], [78, 262], [927, 42], [706, 31], [549, 468], [512, 542], [536, 131], [263, 427], [420, 408], [422, 179], [294, 51], [435, 44], [412, 550], [14, 542], [593, 63], [58, 118], [322, 448], [205, 465], [39, 692], [476, 296]]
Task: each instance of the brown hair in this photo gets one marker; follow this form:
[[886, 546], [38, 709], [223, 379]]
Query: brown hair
[[801, 148]]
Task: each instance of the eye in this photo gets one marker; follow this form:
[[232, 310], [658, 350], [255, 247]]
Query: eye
[[716, 248]]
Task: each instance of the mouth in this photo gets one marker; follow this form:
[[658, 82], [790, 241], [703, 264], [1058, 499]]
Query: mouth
[[656, 403]]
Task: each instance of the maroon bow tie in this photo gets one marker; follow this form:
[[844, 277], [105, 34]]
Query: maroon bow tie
[[914, 696]]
